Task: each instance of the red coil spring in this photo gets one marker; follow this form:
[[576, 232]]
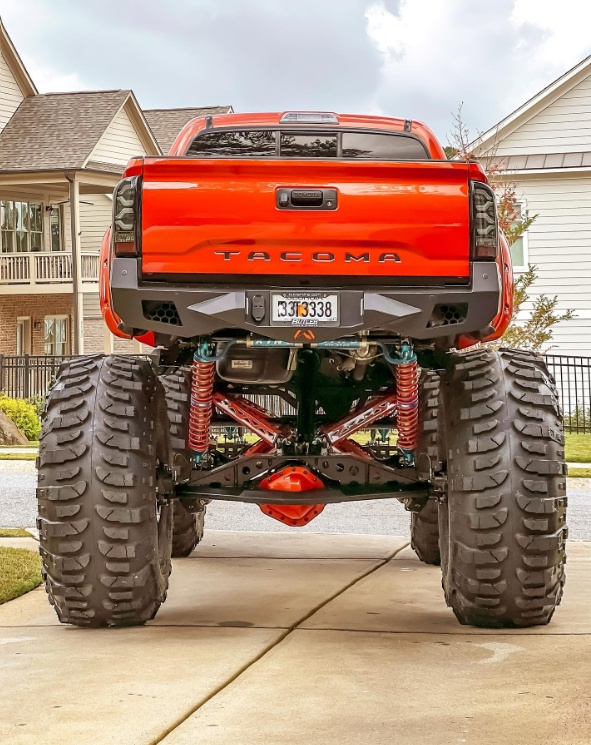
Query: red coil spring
[[407, 390], [201, 405]]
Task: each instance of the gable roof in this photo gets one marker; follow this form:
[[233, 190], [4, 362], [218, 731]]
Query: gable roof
[[167, 123], [15, 63], [59, 131], [533, 106]]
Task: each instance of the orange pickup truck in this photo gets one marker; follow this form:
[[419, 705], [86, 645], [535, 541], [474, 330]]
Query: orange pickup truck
[[311, 284]]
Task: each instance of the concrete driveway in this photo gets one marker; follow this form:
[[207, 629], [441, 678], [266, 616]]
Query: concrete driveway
[[294, 638]]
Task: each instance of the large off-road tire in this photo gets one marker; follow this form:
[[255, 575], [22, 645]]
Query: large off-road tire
[[187, 530], [502, 527], [187, 526], [424, 525], [105, 523]]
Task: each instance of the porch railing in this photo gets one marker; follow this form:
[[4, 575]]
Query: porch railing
[[46, 268], [31, 375]]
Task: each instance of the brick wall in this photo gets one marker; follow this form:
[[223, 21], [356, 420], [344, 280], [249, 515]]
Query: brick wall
[[94, 335], [123, 346], [36, 307]]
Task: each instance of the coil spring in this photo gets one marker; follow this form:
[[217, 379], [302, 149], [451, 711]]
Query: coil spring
[[201, 405], [407, 391]]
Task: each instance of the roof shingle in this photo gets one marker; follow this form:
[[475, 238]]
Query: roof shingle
[[57, 130], [167, 123]]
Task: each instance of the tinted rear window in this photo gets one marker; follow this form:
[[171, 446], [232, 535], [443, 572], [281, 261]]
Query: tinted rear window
[[348, 145], [256, 144], [297, 145], [382, 147]]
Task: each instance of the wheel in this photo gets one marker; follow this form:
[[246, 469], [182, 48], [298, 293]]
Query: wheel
[[424, 525], [187, 526], [502, 528], [424, 533], [105, 523], [187, 529]]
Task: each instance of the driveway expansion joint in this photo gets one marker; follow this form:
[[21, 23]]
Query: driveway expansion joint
[[379, 564]]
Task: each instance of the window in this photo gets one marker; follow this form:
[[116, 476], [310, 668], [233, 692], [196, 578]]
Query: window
[[519, 249], [236, 144], [21, 226], [297, 145], [23, 335], [382, 147], [56, 335], [55, 228], [265, 143]]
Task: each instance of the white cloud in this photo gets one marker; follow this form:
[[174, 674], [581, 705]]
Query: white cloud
[[493, 56], [565, 26], [49, 80]]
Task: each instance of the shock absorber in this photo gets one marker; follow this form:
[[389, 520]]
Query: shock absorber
[[406, 373], [201, 402]]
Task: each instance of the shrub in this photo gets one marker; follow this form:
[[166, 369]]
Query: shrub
[[38, 402], [23, 414]]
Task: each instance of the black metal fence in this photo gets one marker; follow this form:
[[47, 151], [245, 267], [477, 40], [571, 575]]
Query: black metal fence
[[31, 375], [573, 378], [28, 376]]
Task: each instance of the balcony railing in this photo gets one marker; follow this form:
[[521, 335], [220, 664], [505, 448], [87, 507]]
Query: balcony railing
[[46, 268]]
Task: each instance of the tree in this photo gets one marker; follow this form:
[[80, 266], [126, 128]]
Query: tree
[[534, 331]]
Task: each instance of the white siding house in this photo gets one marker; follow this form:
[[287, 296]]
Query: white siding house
[[546, 148], [120, 141]]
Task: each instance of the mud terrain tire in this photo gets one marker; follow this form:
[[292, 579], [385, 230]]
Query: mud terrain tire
[[502, 528], [424, 525], [105, 538], [187, 526]]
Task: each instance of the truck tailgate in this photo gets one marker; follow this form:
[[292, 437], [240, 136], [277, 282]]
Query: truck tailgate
[[220, 217]]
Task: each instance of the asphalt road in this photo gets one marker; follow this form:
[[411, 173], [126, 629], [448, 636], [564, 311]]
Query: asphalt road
[[380, 517]]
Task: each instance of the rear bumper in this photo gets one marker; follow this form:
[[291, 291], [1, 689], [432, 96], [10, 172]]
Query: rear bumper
[[416, 312]]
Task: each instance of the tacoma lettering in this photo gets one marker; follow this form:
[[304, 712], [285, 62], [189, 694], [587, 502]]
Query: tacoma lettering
[[321, 257]]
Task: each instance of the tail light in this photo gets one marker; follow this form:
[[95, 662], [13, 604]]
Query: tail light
[[485, 223], [126, 217]]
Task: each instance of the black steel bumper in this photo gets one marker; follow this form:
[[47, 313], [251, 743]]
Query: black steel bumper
[[416, 312]]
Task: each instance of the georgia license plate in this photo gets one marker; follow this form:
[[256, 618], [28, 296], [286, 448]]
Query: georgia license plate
[[304, 309]]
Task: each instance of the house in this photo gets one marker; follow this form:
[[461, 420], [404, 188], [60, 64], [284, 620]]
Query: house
[[545, 147], [61, 156]]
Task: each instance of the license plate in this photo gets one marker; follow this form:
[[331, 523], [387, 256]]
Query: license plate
[[305, 309]]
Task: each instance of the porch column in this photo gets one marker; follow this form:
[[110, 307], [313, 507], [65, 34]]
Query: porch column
[[78, 314]]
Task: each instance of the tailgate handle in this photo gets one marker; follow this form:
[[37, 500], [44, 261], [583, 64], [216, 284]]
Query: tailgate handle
[[306, 199]]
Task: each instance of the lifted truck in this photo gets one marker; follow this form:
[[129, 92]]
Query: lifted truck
[[304, 278]]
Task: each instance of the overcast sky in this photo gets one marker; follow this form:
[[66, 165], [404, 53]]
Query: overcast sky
[[412, 58]]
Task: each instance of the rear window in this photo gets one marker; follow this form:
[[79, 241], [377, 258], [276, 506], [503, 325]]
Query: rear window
[[297, 145], [382, 147], [289, 144], [235, 144]]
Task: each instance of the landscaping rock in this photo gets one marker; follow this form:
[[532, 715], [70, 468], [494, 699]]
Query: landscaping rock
[[10, 434]]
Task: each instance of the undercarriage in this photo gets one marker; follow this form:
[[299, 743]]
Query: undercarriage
[[305, 449], [134, 449]]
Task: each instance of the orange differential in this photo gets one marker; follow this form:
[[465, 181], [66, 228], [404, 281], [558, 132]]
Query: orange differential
[[292, 479]]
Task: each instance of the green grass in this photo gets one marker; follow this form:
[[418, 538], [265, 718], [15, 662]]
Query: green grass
[[18, 456], [578, 448], [579, 473], [14, 533], [30, 444], [20, 572]]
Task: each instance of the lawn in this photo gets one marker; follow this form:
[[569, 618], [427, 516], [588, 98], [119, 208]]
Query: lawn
[[20, 571], [19, 456], [578, 448], [14, 533]]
